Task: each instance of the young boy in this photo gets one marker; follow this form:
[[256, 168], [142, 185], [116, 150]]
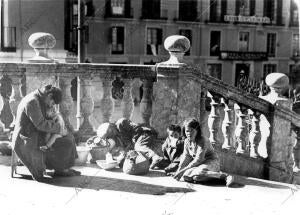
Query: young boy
[[50, 138], [172, 149]]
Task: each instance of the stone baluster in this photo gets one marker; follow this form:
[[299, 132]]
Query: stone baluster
[[213, 119], [296, 151], [254, 135], [146, 102], [127, 102], [16, 95], [264, 126], [6, 115], [65, 107], [107, 103], [227, 124], [241, 129], [86, 107]]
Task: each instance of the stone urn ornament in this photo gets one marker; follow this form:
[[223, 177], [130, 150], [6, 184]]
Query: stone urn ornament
[[278, 82], [176, 45], [41, 43]]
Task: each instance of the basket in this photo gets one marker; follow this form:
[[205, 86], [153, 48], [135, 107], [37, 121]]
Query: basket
[[98, 153]]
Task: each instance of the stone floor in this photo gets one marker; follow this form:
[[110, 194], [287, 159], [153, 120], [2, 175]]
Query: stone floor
[[112, 192]]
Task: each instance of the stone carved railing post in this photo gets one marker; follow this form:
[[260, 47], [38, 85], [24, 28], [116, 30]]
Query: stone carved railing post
[[65, 107], [254, 135], [280, 149], [146, 103], [213, 119], [241, 129], [107, 104], [86, 107], [16, 95], [227, 124], [127, 102]]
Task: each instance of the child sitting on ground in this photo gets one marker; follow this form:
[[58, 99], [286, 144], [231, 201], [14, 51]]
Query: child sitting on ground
[[172, 149], [50, 138]]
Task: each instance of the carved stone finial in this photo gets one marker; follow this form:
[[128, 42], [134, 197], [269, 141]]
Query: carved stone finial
[[277, 82], [41, 42], [177, 45]]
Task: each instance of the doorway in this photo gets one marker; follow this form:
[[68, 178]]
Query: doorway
[[242, 71]]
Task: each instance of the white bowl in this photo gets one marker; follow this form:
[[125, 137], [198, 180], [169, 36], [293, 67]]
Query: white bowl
[[104, 165], [83, 153]]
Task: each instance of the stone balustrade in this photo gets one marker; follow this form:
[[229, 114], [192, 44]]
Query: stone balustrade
[[253, 136]]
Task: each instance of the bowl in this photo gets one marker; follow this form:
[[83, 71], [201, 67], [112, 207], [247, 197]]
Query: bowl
[[107, 165], [83, 153]]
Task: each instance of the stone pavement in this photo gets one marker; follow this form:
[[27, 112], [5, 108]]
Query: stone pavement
[[111, 192]]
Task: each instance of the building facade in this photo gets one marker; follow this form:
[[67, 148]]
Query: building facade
[[230, 39]]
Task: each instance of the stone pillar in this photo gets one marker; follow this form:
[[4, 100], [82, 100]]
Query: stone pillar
[[241, 129], [254, 135], [65, 107], [87, 107], [107, 103], [127, 102], [146, 103], [227, 125], [280, 147], [6, 115]]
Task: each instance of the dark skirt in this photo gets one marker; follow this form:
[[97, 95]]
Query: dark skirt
[[63, 153]]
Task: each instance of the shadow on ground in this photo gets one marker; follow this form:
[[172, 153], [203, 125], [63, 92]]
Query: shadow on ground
[[113, 184]]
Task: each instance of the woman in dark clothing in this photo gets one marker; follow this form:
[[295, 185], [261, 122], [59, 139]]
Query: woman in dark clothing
[[29, 133]]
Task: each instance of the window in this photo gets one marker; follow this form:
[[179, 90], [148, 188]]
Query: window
[[8, 33], [188, 10], [215, 43], [269, 68], [244, 41], [218, 9], [271, 44], [151, 9], [215, 70], [294, 14], [117, 40], [269, 8], [154, 39], [118, 8], [245, 7], [188, 34], [295, 45]]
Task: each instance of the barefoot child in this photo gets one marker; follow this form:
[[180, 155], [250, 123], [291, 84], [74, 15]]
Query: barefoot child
[[50, 137], [172, 149]]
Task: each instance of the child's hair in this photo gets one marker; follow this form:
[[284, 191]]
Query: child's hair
[[175, 128], [192, 123]]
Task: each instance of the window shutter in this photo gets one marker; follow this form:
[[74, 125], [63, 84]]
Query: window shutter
[[213, 10], [237, 7], [159, 36], [120, 35], [252, 7], [223, 9], [127, 8], [279, 12], [110, 32]]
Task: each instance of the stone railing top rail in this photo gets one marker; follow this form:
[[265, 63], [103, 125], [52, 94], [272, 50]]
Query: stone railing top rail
[[83, 69], [217, 87]]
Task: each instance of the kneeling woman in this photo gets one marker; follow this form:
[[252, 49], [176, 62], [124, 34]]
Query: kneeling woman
[[199, 162]]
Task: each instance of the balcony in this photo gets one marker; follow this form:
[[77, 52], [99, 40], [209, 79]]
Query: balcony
[[8, 39], [252, 136]]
